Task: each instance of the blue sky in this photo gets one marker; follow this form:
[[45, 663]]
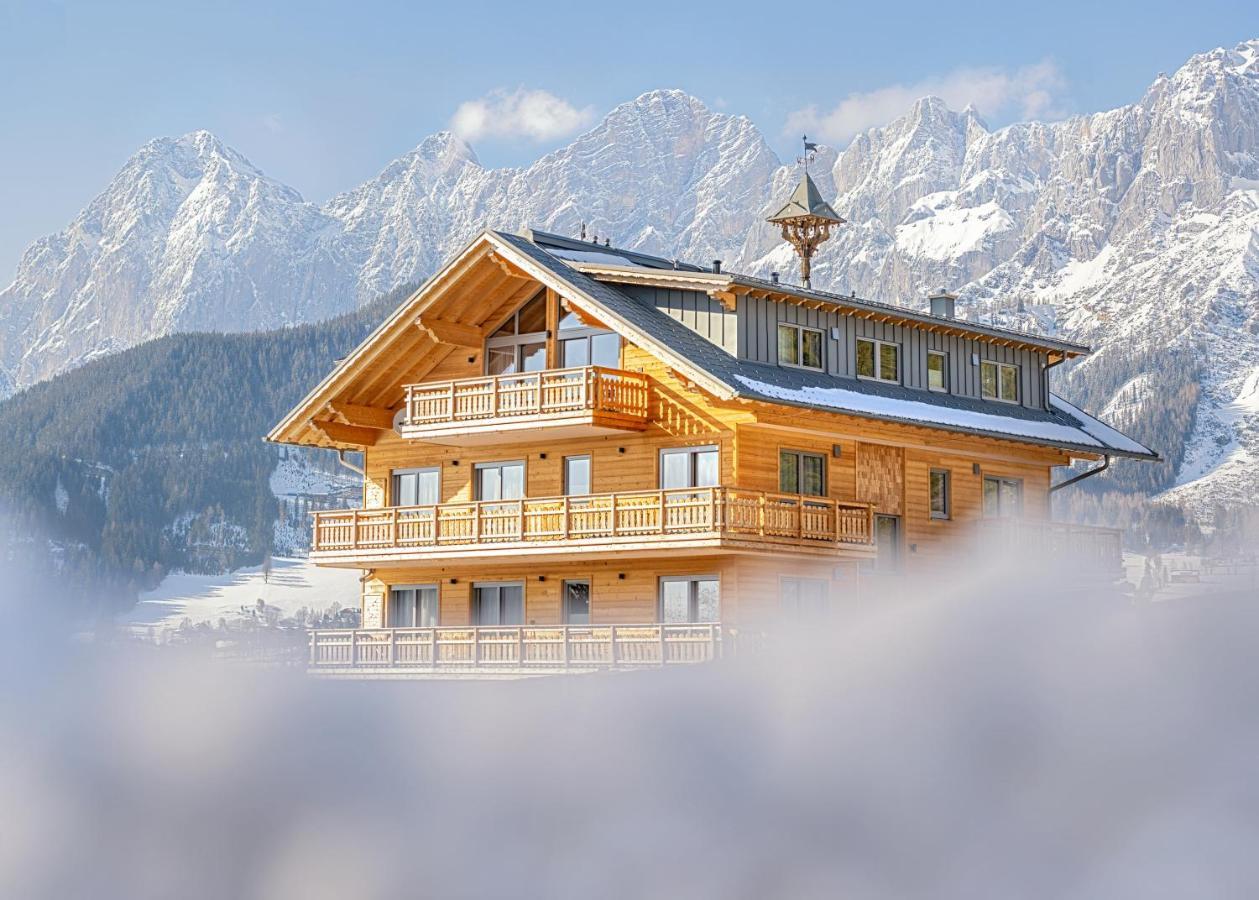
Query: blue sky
[[323, 95]]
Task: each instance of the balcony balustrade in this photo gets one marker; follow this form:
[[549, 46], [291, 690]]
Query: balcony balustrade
[[716, 515], [516, 650], [568, 402]]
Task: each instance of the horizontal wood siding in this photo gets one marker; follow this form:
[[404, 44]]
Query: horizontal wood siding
[[758, 328]]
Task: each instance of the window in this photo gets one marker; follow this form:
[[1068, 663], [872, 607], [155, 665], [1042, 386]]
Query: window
[[519, 344], [887, 542], [940, 494], [999, 381], [577, 602], [576, 475], [801, 473], [1003, 497], [413, 606], [689, 598], [500, 481], [498, 603], [416, 487], [601, 348], [799, 346], [689, 467], [878, 359], [937, 371], [804, 597]]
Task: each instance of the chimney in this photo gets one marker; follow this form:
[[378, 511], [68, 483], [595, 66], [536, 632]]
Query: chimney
[[773, 278], [943, 304], [716, 267]]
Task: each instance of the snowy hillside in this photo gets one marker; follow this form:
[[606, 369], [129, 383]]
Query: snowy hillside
[[1135, 230]]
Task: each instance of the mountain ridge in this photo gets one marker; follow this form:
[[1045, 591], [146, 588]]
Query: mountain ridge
[[1060, 227]]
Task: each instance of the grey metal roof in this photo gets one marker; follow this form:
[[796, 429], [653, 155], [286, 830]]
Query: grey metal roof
[[1065, 426], [806, 200]]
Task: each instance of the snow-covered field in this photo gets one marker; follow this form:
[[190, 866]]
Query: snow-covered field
[[294, 583]]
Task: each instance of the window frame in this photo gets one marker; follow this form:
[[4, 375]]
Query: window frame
[[944, 371], [878, 360], [590, 474], [799, 342], [590, 599], [498, 464], [800, 456], [693, 582], [474, 608], [389, 611], [800, 580], [692, 466], [413, 470], [947, 512], [1000, 481], [998, 366], [516, 340]]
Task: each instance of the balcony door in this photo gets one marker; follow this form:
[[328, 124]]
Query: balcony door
[[576, 602], [416, 487], [689, 467], [413, 606], [686, 599], [498, 603], [500, 480]]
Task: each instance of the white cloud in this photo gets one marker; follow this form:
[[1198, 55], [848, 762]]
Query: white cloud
[[534, 114], [1029, 92]]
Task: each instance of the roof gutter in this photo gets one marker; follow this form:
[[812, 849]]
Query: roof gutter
[[353, 468], [1088, 473]]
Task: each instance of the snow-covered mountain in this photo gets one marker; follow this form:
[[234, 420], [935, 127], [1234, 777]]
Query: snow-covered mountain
[[1135, 230]]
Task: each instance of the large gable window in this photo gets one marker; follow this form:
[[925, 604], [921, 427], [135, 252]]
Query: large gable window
[[519, 344], [999, 381], [799, 346], [879, 360]]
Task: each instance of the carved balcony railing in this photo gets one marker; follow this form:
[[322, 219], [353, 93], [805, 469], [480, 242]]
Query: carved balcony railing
[[591, 395], [718, 513], [515, 649]]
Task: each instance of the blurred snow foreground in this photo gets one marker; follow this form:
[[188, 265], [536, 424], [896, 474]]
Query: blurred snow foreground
[[985, 735]]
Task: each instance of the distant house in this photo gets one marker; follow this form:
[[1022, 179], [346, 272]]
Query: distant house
[[581, 456]]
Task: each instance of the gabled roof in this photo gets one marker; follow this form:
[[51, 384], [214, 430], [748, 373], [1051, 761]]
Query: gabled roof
[[709, 366], [806, 201]]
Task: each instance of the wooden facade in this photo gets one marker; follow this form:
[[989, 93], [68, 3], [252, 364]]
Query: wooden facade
[[416, 397]]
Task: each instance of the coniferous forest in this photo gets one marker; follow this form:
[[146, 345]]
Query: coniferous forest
[[152, 459]]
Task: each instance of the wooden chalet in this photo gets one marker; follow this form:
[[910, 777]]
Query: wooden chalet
[[577, 456]]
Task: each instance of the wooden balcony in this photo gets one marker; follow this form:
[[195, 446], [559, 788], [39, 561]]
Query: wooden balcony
[[1089, 550], [498, 408], [473, 651], [697, 520]]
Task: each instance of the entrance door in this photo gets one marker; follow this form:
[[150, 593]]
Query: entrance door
[[887, 540], [413, 606], [499, 603]]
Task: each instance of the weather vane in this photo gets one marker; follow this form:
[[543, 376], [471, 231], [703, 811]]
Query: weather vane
[[810, 152]]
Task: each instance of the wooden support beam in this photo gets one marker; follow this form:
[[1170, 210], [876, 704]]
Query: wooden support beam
[[727, 299], [366, 416], [340, 433], [509, 267], [455, 333]]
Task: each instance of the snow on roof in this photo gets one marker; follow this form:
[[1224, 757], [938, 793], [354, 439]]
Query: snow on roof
[[1100, 430], [1087, 432]]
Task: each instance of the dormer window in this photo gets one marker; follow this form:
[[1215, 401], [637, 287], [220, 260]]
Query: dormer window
[[937, 371], [879, 360], [799, 346], [999, 381]]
